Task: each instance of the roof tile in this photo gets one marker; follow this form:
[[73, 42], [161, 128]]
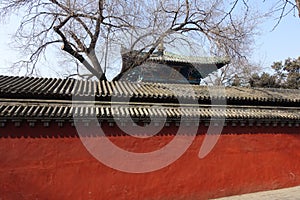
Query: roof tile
[[17, 93]]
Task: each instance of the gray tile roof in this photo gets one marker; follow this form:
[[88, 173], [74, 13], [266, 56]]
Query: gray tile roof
[[50, 98], [65, 110], [171, 57], [54, 88]]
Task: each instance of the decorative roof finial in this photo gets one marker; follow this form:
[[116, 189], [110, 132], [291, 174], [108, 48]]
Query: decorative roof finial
[[161, 49]]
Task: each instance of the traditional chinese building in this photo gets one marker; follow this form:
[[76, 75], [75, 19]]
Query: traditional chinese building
[[166, 67], [43, 157]]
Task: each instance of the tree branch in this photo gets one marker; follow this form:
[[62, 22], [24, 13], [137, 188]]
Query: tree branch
[[68, 48]]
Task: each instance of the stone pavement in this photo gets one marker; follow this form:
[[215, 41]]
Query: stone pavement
[[292, 193]]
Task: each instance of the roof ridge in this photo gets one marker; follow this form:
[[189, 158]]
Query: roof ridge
[[172, 57]]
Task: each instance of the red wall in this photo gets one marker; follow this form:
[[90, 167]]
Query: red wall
[[52, 163]]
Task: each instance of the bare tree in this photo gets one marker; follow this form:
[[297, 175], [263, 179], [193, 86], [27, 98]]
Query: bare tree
[[285, 7], [91, 30], [240, 68], [298, 6]]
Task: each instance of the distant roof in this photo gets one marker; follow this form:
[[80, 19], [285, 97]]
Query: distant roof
[[165, 67], [171, 57], [28, 97]]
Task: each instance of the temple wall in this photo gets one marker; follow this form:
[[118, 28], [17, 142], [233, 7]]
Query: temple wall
[[51, 163]]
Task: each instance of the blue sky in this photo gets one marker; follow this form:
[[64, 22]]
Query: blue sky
[[270, 46], [279, 44]]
